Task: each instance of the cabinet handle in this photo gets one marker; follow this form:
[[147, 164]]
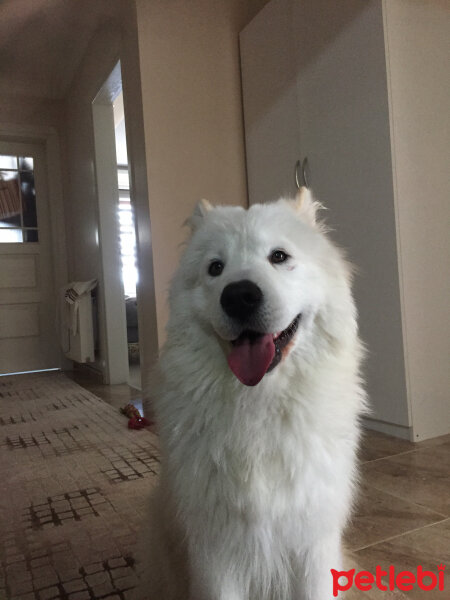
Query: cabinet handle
[[304, 175], [301, 178], [297, 180]]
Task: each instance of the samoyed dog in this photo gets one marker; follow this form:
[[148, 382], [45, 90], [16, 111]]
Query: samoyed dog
[[257, 398]]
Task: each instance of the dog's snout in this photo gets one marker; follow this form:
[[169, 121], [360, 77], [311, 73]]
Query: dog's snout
[[241, 299]]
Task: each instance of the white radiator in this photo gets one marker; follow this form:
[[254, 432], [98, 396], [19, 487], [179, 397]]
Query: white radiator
[[77, 322]]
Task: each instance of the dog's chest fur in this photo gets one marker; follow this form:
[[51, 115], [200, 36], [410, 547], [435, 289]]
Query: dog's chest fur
[[270, 458]]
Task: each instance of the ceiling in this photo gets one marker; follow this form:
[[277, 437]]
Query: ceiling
[[42, 42]]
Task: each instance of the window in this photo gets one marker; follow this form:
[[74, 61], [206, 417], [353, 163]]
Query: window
[[18, 217], [127, 234]]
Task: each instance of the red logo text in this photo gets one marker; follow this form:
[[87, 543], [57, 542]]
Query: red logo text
[[403, 580]]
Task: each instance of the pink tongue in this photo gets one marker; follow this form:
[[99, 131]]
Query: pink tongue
[[250, 359]]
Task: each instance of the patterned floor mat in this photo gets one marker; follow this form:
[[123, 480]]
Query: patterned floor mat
[[74, 482]]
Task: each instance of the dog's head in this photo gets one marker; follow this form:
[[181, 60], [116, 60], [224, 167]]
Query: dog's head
[[255, 279]]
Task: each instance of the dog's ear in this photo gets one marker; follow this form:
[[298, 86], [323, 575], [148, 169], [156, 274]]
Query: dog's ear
[[305, 206], [195, 220]]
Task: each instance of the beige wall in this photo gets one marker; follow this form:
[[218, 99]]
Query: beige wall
[[114, 41], [193, 122], [418, 47], [29, 111], [81, 189]]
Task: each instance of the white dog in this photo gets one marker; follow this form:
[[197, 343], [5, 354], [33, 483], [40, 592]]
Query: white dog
[[257, 397]]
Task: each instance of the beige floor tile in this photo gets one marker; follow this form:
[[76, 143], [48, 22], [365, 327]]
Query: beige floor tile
[[422, 476], [379, 515], [375, 445], [116, 395], [443, 440], [428, 547]]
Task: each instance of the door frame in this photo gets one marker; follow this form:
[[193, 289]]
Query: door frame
[[49, 139], [137, 169], [115, 368]]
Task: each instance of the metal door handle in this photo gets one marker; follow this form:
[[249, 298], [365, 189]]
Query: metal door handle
[[301, 178]]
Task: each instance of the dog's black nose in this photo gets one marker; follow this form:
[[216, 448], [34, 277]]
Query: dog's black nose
[[241, 299]]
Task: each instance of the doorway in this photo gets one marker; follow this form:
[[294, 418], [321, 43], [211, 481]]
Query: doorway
[[117, 235], [28, 333]]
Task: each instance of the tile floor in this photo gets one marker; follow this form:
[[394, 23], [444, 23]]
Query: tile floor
[[116, 395], [402, 516], [74, 488]]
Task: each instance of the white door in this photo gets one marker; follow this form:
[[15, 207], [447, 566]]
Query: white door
[[28, 337]]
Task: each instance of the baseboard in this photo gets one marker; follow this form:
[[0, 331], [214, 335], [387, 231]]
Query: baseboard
[[399, 431]]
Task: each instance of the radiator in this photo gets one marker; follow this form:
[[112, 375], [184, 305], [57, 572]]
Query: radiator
[[77, 322]]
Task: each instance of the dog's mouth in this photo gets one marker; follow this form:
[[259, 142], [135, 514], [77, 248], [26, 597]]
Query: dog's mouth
[[254, 354]]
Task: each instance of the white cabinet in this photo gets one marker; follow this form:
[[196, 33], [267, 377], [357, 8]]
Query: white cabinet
[[318, 81]]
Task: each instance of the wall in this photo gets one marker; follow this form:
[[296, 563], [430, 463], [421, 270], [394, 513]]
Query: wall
[[418, 43], [28, 111], [192, 119], [81, 190], [194, 139]]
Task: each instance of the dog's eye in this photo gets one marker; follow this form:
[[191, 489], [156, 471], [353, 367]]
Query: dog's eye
[[278, 256], [216, 268]]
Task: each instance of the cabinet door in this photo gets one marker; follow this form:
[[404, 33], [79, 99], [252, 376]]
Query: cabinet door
[[344, 125], [343, 111], [270, 102], [336, 114]]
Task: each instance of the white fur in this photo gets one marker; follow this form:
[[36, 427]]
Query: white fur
[[257, 482]]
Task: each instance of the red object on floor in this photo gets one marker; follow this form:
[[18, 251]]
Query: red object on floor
[[135, 421], [138, 423]]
